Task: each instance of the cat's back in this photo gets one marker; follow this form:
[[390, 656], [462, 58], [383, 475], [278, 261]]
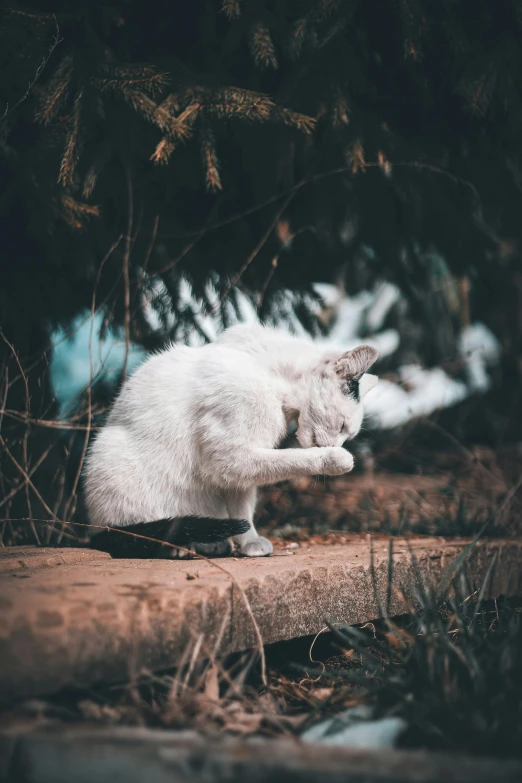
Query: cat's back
[[170, 386], [163, 383]]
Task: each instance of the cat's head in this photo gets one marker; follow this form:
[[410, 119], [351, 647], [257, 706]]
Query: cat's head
[[330, 408]]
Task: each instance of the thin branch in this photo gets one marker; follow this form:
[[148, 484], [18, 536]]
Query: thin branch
[[49, 423], [126, 263], [148, 254], [257, 248], [30, 473], [57, 40], [266, 283], [417, 165], [28, 480], [26, 432], [89, 400]]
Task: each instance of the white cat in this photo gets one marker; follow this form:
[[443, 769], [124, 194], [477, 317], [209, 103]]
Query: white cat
[[195, 431]]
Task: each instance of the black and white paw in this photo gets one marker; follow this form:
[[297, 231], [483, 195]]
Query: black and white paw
[[259, 547], [218, 549]]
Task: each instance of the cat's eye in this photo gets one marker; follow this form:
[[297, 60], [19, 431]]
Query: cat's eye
[[342, 429]]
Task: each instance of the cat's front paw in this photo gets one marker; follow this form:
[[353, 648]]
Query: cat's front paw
[[259, 547], [335, 461]]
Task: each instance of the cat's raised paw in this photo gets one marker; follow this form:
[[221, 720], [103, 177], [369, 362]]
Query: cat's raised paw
[[335, 461], [260, 547]]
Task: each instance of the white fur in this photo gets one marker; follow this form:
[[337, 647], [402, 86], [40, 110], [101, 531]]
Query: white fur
[[194, 431], [367, 383]]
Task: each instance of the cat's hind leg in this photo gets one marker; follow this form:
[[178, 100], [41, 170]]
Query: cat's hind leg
[[249, 544]]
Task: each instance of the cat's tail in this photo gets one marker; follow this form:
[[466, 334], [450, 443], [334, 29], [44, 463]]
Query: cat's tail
[[133, 541]]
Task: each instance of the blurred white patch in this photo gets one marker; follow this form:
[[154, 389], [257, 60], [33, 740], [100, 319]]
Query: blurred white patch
[[79, 355], [390, 405], [481, 349], [354, 728]]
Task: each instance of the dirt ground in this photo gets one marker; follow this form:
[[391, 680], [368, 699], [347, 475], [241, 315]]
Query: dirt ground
[[449, 494]]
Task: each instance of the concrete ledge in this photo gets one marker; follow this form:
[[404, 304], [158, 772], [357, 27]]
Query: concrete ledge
[[135, 755], [21, 558], [75, 617]]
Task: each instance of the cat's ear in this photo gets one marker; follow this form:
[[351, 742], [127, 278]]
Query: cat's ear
[[354, 363], [367, 383]]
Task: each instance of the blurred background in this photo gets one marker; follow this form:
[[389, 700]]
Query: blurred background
[[345, 169]]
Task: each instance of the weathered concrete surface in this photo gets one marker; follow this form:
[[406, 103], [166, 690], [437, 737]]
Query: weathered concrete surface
[[20, 558], [135, 755], [74, 617]]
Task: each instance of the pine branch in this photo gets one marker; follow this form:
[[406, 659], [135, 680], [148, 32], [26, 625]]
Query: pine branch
[[262, 46], [236, 103], [384, 163], [178, 128], [340, 110], [355, 157], [75, 212], [142, 78], [231, 8], [56, 92], [479, 92], [414, 25], [210, 160], [56, 40], [163, 151], [93, 173], [325, 9], [304, 31], [299, 35], [72, 144], [301, 122]]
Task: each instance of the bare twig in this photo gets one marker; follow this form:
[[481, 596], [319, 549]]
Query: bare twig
[[266, 283], [49, 423], [146, 260], [417, 165], [89, 397], [30, 472], [29, 482], [57, 40], [126, 263], [257, 248], [25, 439]]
